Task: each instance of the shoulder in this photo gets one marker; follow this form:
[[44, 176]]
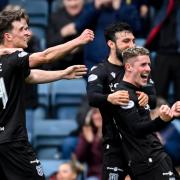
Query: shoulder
[[97, 71], [122, 86]]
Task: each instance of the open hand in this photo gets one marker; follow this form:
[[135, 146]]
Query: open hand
[[75, 72]]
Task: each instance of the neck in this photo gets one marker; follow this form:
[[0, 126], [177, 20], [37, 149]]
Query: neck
[[128, 78], [114, 60]]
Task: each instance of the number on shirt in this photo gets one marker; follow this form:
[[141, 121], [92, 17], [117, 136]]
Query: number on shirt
[[3, 93]]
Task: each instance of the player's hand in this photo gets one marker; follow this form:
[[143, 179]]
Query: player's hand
[[4, 51], [75, 72], [120, 97], [142, 98], [86, 36], [165, 113], [176, 109]]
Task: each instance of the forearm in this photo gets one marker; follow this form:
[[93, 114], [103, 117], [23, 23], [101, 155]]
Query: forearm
[[138, 125], [39, 76], [97, 99], [53, 53]]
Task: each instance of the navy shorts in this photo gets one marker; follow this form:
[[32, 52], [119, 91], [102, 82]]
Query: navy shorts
[[113, 163], [19, 162]]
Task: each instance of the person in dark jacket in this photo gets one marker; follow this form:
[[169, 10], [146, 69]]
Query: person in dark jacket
[[56, 34], [97, 16], [164, 38], [89, 147]]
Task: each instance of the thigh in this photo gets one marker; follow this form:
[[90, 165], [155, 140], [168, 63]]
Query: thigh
[[113, 163], [19, 162], [163, 171]]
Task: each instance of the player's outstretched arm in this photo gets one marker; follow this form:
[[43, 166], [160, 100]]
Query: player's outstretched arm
[[41, 76], [53, 53]]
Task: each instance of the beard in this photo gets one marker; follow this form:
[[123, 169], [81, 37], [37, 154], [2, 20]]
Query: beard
[[119, 54]]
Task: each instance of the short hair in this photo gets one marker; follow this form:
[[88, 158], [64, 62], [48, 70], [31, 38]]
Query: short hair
[[111, 30], [134, 52], [7, 17]]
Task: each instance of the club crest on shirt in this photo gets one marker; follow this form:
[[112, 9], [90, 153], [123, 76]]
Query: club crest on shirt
[[113, 176], [129, 106], [92, 77], [39, 170]]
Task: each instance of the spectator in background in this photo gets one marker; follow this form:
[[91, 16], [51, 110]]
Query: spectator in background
[[144, 13], [55, 34], [89, 148], [97, 16], [164, 38], [70, 142], [67, 171]]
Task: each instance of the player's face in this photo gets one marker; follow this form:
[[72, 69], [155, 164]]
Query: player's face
[[97, 118], [141, 70], [65, 173], [124, 40], [20, 34], [73, 7]]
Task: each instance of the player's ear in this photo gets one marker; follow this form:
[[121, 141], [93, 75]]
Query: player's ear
[[111, 44], [128, 67], [8, 36]]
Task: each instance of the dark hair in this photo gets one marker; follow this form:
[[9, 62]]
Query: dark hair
[[134, 52], [7, 17], [111, 30]]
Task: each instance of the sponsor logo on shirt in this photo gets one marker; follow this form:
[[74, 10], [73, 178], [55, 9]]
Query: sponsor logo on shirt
[[92, 77], [113, 86], [129, 106]]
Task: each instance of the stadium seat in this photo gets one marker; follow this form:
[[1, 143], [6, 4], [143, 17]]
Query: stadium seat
[[140, 41], [49, 133], [55, 5], [44, 99], [67, 96], [40, 33], [36, 9]]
